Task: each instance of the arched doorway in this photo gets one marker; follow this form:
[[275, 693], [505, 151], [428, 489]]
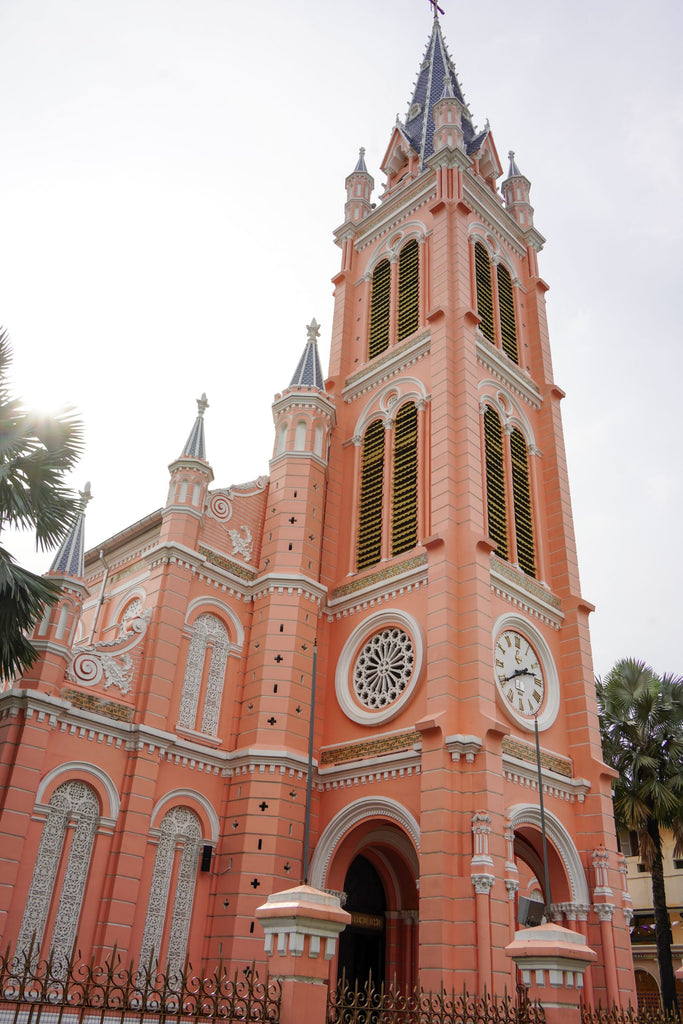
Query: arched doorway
[[369, 851], [362, 943], [647, 991]]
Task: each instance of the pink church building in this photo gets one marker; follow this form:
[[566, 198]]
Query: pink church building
[[414, 534]]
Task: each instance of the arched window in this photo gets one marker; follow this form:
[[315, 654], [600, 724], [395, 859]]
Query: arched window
[[482, 268], [495, 481], [501, 518], [206, 661], [300, 436], [180, 837], [281, 438], [404, 498], [74, 805], [408, 318], [369, 548], [380, 303], [508, 322], [521, 500]]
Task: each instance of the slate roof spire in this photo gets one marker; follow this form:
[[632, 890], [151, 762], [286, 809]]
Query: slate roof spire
[[195, 448], [308, 373], [436, 78], [514, 171], [69, 559]]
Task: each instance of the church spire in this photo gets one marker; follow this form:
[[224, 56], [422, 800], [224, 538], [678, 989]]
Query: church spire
[[195, 447], [436, 79], [69, 559], [308, 373]]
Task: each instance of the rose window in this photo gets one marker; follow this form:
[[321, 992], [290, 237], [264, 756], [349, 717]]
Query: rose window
[[383, 668]]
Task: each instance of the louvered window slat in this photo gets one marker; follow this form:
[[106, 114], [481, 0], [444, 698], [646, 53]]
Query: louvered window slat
[[369, 547], [404, 503], [408, 290], [508, 324], [380, 309], [484, 292], [495, 481], [521, 495]]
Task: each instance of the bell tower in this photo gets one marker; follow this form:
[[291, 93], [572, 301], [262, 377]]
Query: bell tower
[[454, 615]]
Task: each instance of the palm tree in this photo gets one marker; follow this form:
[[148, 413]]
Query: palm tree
[[36, 453], [641, 724]]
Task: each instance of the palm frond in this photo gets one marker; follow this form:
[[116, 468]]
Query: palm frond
[[23, 596]]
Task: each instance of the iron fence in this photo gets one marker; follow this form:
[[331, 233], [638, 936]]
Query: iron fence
[[54, 991], [393, 1005]]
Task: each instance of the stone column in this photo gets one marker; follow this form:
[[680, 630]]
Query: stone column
[[301, 926], [552, 960]]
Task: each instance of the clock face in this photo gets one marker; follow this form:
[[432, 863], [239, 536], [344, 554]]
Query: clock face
[[519, 673]]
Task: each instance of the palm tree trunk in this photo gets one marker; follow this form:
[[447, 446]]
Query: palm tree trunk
[[662, 923]]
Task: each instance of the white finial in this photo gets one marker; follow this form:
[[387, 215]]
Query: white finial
[[202, 405], [511, 154], [313, 330], [361, 151], [86, 494]]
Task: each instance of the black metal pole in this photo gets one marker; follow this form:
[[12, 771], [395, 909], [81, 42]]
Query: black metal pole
[[548, 899], [309, 780]]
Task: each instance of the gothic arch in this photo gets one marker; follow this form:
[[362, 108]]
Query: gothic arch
[[389, 400], [507, 406], [203, 808], [368, 808], [528, 814], [389, 249], [73, 805], [221, 610], [95, 777]]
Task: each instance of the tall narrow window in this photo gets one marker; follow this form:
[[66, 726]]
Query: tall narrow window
[[380, 303], [482, 268], [206, 660], [495, 481], [73, 803], [404, 501], [179, 843], [508, 323], [408, 290], [371, 496], [521, 500]]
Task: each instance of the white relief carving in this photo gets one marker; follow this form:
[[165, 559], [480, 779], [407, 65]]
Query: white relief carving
[[110, 658], [483, 883], [179, 826], [242, 542], [72, 800], [132, 611], [220, 506], [604, 911], [209, 639]]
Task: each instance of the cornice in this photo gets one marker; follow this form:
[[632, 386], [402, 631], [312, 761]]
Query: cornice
[[388, 767], [395, 209], [524, 774], [132, 532], [289, 583], [384, 367], [489, 209], [507, 372], [525, 593], [386, 584], [297, 398]]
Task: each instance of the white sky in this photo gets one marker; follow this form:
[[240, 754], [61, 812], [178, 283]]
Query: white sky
[[171, 174]]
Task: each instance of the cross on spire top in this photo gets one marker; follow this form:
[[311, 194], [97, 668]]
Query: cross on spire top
[[436, 9]]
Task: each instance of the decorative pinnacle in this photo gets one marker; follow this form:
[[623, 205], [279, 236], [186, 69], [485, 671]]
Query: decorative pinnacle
[[202, 405], [361, 152], [85, 495], [313, 329]]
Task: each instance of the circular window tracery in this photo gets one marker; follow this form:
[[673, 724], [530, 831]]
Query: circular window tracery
[[383, 668]]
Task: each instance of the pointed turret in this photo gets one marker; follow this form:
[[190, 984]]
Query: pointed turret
[[308, 373], [54, 634], [359, 186], [69, 559], [516, 189], [195, 447], [190, 478]]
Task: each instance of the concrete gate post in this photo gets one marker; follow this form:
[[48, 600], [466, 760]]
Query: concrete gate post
[[552, 960], [301, 926]]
